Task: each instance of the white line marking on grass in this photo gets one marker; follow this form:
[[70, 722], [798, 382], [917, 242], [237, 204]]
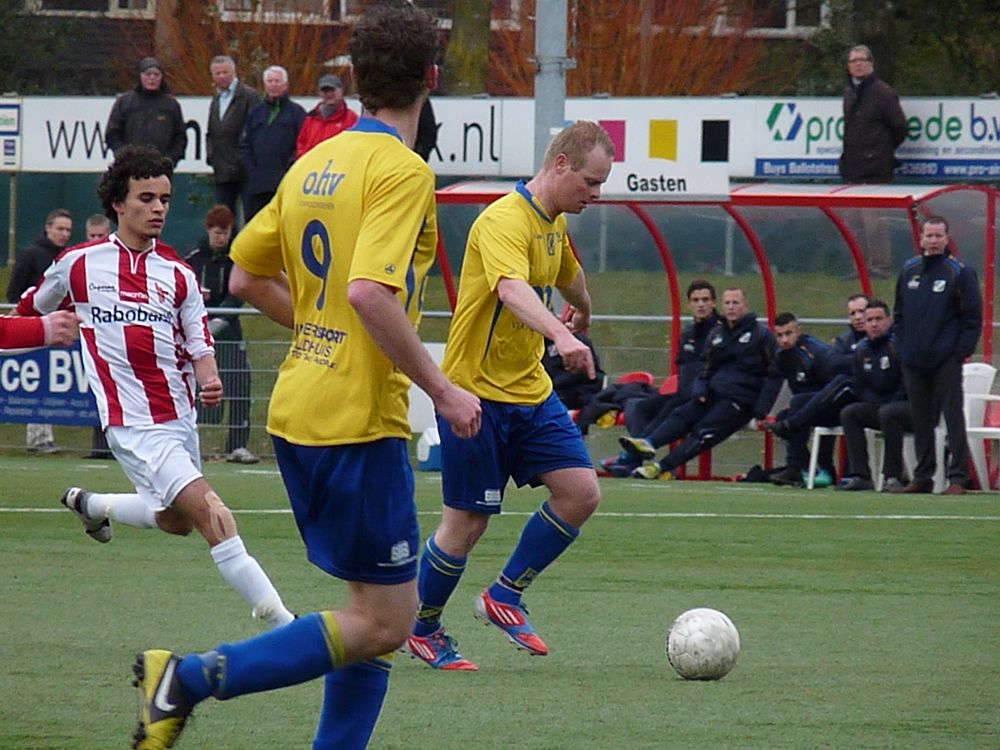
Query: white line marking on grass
[[673, 514]]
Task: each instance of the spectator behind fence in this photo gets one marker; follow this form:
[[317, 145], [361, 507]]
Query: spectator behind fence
[[98, 228], [874, 126], [572, 387], [807, 365], [267, 145], [29, 265], [148, 115], [328, 118], [212, 266], [735, 386], [227, 114], [143, 374], [877, 383], [939, 317], [644, 416]]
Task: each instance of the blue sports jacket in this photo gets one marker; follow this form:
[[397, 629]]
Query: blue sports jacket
[[807, 366], [938, 311], [878, 371], [738, 366]]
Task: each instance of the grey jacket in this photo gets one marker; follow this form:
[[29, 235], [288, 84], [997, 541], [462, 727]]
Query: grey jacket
[[223, 136]]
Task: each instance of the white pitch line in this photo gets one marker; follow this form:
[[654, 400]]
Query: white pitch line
[[646, 514]]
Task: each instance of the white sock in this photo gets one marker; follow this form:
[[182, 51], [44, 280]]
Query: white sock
[[244, 574], [129, 509]]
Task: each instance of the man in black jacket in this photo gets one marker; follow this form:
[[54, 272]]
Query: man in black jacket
[[32, 261], [807, 365], [734, 386], [148, 115], [874, 126], [877, 383], [643, 417], [267, 144], [939, 317], [227, 113]]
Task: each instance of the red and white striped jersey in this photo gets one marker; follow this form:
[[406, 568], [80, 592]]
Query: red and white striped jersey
[[142, 324]]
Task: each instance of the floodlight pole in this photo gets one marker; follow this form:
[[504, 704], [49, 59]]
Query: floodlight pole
[[551, 65]]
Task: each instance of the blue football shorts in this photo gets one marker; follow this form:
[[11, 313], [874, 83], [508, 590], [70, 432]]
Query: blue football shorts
[[354, 507], [515, 441]]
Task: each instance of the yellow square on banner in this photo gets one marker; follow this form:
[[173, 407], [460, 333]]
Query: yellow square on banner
[[663, 139]]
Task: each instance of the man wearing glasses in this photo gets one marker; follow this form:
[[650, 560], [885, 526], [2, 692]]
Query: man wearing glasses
[[874, 126]]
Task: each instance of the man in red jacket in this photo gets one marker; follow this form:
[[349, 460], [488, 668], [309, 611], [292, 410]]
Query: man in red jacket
[[329, 117]]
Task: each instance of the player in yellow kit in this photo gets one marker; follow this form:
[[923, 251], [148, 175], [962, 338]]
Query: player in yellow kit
[[339, 256], [517, 252]]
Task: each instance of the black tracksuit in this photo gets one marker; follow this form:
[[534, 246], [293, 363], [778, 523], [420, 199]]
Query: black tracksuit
[[808, 367], [644, 416], [736, 384], [877, 383], [939, 317]]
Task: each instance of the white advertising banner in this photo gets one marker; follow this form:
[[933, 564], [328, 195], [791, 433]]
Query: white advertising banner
[[949, 139]]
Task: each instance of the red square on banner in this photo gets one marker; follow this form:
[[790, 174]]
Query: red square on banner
[[616, 131]]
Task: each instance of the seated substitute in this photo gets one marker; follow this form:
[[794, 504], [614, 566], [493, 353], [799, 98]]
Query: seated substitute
[[573, 387], [735, 385], [644, 416], [848, 341], [881, 405], [807, 365]]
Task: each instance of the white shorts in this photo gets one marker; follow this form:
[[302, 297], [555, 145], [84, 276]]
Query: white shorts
[[160, 459]]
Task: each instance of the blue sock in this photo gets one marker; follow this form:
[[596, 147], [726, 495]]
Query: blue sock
[[543, 539], [437, 576], [297, 652], [352, 700]]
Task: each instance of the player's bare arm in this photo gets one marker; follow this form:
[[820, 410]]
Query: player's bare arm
[[576, 294], [518, 297], [269, 294], [206, 373], [392, 331]]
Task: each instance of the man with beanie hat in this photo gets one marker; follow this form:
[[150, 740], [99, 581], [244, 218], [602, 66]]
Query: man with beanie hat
[[148, 115], [329, 117]]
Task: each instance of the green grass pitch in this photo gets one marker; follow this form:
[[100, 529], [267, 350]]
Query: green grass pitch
[[868, 621]]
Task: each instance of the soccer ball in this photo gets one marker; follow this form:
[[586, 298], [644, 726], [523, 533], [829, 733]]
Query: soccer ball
[[702, 644]]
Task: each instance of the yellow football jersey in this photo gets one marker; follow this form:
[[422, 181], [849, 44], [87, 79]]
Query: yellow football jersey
[[357, 206], [489, 351]]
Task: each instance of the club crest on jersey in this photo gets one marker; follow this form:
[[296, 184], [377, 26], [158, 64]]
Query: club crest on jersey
[[939, 285], [161, 293], [745, 338], [913, 283], [550, 243]]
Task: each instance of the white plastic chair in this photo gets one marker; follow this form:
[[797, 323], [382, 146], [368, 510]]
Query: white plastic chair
[[977, 380], [820, 432]]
